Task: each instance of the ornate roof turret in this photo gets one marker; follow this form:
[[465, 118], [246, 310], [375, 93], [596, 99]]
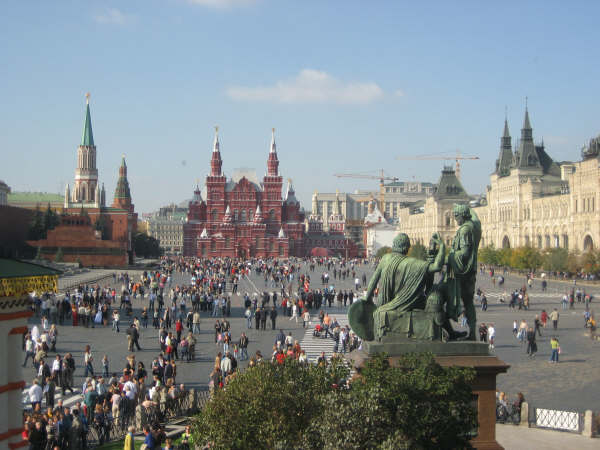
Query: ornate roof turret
[[281, 234], [227, 218], [87, 139], [216, 163], [290, 196], [449, 185], [122, 192], [527, 156], [258, 217], [273, 162], [197, 195], [504, 160], [204, 234]]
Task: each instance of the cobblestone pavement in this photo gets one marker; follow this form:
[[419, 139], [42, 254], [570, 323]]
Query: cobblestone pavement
[[569, 385]]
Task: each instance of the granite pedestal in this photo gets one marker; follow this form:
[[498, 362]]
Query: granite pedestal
[[463, 354]]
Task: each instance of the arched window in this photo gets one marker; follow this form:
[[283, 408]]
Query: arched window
[[272, 215], [214, 215], [250, 215], [213, 246], [256, 242], [227, 242], [505, 242], [243, 218], [235, 215], [588, 243]]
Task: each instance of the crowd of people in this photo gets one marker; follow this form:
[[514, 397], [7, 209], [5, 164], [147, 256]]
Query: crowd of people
[[176, 312]]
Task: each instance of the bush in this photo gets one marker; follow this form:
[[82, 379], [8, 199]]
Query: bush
[[267, 406], [59, 255], [416, 405], [272, 406]]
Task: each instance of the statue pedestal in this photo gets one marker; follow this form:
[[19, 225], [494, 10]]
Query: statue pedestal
[[462, 354]]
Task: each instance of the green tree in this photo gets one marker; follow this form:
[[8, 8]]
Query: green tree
[[146, 246], [36, 227], [555, 259], [504, 256], [418, 251], [101, 226], [38, 254], [574, 262], [488, 255], [50, 219], [269, 406], [418, 404], [59, 255], [382, 251], [526, 258], [590, 261]]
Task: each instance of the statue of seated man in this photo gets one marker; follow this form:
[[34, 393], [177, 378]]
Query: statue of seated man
[[408, 304]]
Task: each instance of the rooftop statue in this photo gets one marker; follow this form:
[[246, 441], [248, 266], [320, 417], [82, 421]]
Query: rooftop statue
[[409, 305]]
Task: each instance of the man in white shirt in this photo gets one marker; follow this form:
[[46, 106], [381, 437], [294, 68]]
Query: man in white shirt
[[491, 335], [35, 394]]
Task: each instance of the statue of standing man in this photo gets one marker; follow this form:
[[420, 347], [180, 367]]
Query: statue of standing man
[[462, 268]]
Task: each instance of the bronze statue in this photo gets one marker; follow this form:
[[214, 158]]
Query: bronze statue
[[409, 304]]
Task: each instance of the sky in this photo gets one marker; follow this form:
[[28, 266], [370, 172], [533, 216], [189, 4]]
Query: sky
[[348, 85]]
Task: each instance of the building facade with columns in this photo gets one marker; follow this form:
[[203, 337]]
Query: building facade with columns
[[166, 226], [531, 200], [241, 217], [535, 201], [17, 281]]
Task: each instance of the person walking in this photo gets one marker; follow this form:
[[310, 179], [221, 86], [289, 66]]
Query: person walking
[[248, 316], [88, 360], [538, 325], [305, 318], [273, 316], [491, 335], [531, 344], [243, 344], [554, 318], [555, 346]]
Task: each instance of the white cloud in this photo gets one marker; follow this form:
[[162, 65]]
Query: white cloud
[[310, 86], [399, 93], [113, 16], [222, 4]]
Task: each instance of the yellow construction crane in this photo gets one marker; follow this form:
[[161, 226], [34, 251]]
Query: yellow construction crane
[[382, 177], [458, 157]]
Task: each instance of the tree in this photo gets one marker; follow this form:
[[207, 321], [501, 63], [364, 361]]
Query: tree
[[591, 261], [488, 255], [504, 256], [418, 251], [287, 406], [555, 260], [51, 219], [59, 255], [146, 246], [271, 406], [100, 225], [418, 404], [526, 258], [36, 227], [38, 254], [383, 251]]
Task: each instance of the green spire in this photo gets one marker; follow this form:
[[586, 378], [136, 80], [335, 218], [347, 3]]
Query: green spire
[[88, 137]]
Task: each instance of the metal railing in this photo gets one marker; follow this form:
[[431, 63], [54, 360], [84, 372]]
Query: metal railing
[[556, 420]]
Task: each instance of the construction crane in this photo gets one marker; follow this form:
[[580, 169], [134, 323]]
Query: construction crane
[[456, 158], [382, 177]]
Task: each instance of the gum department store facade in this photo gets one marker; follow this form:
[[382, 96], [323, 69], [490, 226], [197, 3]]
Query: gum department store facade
[[531, 200]]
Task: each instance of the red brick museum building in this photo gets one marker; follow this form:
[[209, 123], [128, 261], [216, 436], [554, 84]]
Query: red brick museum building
[[243, 218]]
